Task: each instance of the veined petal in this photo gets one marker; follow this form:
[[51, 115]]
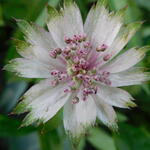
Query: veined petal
[[42, 103], [33, 93], [46, 111], [28, 68], [66, 23], [120, 41], [37, 53], [115, 96], [77, 117], [102, 27], [36, 35], [133, 76], [126, 60], [106, 113], [38, 43]]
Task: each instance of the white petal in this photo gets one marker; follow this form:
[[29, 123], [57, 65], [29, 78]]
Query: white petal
[[115, 96], [28, 68], [37, 53], [126, 60], [77, 117], [101, 26], [38, 44], [133, 76], [67, 23], [42, 103], [106, 113], [37, 35], [32, 94], [35, 91], [120, 41]]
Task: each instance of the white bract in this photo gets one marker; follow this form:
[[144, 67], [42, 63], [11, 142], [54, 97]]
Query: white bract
[[79, 66]]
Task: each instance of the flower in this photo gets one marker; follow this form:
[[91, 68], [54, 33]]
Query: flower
[[79, 67]]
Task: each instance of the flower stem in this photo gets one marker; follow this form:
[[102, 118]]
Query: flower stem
[[44, 141]]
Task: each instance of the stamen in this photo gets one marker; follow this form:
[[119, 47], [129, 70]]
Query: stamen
[[75, 100], [55, 72], [67, 90], [106, 74], [75, 68], [87, 45], [67, 40], [78, 72], [58, 51], [80, 76], [76, 59], [101, 48], [73, 47], [107, 57], [67, 50], [107, 82], [53, 54], [62, 76], [54, 82], [96, 78]]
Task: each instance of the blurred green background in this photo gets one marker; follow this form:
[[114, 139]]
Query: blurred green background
[[134, 124]]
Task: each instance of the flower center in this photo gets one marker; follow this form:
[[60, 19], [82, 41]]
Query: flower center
[[78, 73]]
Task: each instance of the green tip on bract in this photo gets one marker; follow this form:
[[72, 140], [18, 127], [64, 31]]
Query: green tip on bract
[[68, 3], [52, 12], [131, 104], [20, 108], [11, 66], [122, 11], [114, 126], [102, 3], [135, 25], [28, 120], [23, 25], [145, 48], [20, 45]]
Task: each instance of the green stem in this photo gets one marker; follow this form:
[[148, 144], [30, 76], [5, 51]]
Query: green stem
[[44, 140]]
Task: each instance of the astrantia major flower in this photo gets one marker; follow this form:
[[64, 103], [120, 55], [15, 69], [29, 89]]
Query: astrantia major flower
[[78, 66]]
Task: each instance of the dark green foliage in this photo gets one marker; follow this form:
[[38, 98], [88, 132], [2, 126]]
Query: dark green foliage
[[134, 124]]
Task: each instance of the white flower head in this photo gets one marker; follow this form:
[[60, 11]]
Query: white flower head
[[78, 66]]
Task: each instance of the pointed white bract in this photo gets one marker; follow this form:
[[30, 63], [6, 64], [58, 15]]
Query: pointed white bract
[[80, 67]]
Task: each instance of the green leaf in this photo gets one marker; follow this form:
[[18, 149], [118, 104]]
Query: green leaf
[[133, 13], [27, 142], [50, 140], [11, 94], [23, 9], [121, 117], [132, 138], [52, 124], [101, 140], [144, 3], [1, 16], [11, 127]]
